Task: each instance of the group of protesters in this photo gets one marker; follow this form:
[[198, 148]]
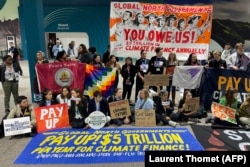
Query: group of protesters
[[146, 98]]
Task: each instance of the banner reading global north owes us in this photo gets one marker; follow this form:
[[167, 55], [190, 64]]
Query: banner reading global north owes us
[[181, 29], [107, 145]]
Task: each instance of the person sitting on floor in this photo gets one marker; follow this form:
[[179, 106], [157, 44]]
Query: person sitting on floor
[[229, 100], [164, 109], [47, 99], [24, 109], [116, 97], [183, 115], [244, 113], [98, 103]]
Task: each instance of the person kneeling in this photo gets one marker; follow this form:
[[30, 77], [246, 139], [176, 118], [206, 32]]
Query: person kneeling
[[164, 109], [24, 109]]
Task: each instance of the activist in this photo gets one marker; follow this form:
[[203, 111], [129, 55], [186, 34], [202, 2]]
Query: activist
[[238, 60], [64, 96], [9, 76], [229, 100], [226, 53], [96, 61], [24, 109], [78, 109], [172, 62], [112, 63], [144, 101], [164, 109], [217, 62], [61, 57], [157, 64], [98, 103], [185, 116], [116, 97], [128, 73], [105, 56], [83, 54], [151, 93], [193, 61], [39, 60], [48, 99], [244, 113], [142, 69]]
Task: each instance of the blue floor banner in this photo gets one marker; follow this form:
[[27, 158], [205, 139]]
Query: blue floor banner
[[107, 145]]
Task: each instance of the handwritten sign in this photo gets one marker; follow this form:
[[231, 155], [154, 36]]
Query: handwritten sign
[[16, 126], [119, 109], [145, 118], [156, 80], [192, 104], [223, 112]]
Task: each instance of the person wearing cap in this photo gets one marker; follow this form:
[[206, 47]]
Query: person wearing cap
[[161, 22], [192, 26], [151, 22], [169, 26]]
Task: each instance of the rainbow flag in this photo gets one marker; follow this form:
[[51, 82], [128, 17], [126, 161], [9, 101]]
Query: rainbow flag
[[99, 78]]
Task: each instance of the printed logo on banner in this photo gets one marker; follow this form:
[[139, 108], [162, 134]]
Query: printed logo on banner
[[64, 77]]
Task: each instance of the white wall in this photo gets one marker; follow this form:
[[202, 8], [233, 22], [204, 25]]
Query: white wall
[[67, 37]]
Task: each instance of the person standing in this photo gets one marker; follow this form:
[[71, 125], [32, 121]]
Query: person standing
[[57, 48], [50, 46], [157, 64], [9, 76], [142, 66], [128, 73]]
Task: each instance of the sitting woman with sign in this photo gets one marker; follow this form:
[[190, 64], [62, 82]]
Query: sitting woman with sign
[[229, 100], [78, 109], [184, 115], [164, 109], [117, 97], [144, 101]]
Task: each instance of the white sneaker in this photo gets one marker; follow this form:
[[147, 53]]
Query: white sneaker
[[172, 123]]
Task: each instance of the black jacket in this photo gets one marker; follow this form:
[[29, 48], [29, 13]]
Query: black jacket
[[160, 109], [103, 106], [16, 67]]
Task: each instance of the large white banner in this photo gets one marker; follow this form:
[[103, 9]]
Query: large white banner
[[181, 29], [16, 126]]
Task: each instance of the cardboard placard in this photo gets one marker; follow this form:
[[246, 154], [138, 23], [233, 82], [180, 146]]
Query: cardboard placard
[[145, 118], [223, 112], [192, 104], [156, 80], [119, 109]]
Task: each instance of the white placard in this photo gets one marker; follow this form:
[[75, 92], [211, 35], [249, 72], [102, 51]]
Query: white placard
[[16, 126]]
